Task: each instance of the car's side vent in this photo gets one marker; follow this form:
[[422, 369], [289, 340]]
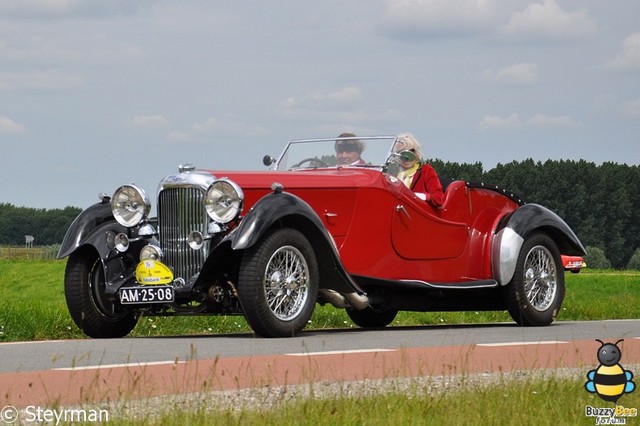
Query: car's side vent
[[180, 211]]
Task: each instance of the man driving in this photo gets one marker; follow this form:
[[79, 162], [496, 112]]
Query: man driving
[[349, 150]]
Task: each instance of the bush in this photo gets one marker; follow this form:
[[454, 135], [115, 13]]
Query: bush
[[50, 252], [596, 259], [634, 262]]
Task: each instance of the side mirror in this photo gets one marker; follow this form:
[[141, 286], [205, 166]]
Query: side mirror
[[268, 160], [392, 165]]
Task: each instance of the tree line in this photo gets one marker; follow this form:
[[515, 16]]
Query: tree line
[[601, 203], [47, 226]]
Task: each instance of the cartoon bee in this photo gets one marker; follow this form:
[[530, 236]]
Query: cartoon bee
[[609, 380]]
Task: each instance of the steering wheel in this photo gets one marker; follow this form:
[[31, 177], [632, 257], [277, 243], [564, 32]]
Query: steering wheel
[[311, 161]]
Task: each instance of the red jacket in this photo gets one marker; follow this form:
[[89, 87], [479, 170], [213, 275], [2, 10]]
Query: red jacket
[[426, 181]]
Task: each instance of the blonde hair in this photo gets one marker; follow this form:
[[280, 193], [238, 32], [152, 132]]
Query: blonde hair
[[405, 142]]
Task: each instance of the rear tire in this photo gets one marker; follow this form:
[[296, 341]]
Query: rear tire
[[278, 284], [93, 313], [372, 318], [535, 294]]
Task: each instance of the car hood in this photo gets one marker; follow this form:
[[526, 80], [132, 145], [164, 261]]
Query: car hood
[[326, 178]]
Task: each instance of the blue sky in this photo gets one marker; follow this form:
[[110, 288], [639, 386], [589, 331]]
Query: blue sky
[[97, 94]]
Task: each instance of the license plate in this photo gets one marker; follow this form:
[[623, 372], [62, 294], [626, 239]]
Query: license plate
[[141, 295]]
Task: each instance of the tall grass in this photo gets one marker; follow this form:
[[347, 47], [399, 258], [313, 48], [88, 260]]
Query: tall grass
[[503, 400], [32, 306], [36, 252]]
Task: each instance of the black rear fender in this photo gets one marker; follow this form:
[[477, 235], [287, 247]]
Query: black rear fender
[[512, 232], [533, 217]]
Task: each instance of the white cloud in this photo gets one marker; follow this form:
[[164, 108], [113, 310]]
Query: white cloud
[[8, 126], [148, 120], [409, 18], [337, 106], [497, 122], [346, 117], [542, 120], [514, 122], [629, 59], [39, 80], [340, 110], [547, 21], [346, 94], [178, 136], [523, 74], [226, 125], [206, 126]]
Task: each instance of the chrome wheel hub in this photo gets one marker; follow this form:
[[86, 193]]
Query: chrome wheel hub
[[540, 278], [286, 283]]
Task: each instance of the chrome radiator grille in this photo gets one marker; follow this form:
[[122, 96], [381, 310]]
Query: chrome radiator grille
[[180, 211]]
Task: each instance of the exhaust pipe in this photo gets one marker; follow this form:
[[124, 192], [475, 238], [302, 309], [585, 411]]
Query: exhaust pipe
[[349, 300]]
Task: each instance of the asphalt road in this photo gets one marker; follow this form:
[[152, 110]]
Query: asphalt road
[[53, 355]]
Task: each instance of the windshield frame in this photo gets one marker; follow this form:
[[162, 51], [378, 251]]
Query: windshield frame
[[379, 161]]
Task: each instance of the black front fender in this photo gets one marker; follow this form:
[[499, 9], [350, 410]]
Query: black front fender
[[89, 227], [267, 211], [96, 227], [287, 210]]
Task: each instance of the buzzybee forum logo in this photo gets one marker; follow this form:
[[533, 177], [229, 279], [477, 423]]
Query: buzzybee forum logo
[[610, 381]]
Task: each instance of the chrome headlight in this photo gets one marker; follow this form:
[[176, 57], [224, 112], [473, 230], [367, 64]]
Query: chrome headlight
[[130, 205], [151, 252], [223, 200]]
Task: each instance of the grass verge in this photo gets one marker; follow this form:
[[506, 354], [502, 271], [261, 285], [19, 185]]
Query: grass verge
[[505, 399], [32, 306]]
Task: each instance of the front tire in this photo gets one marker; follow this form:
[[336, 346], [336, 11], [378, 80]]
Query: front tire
[[536, 292], [93, 313], [278, 284]]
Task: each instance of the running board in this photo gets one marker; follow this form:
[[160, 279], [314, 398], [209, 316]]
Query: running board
[[417, 284], [465, 285]]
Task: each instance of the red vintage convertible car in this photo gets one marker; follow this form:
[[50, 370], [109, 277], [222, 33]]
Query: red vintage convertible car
[[270, 245]]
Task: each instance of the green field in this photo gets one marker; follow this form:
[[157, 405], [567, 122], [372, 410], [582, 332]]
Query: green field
[[32, 306]]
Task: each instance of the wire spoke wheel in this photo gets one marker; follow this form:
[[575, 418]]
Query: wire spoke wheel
[[286, 283], [535, 294], [540, 278], [278, 283]]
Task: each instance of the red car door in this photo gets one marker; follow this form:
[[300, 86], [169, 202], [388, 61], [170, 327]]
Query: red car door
[[422, 232]]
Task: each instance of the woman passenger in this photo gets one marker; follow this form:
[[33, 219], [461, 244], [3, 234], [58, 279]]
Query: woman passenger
[[417, 175]]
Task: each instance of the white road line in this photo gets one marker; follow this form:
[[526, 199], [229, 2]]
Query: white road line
[[354, 351], [30, 342], [552, 342], [135, 364]]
